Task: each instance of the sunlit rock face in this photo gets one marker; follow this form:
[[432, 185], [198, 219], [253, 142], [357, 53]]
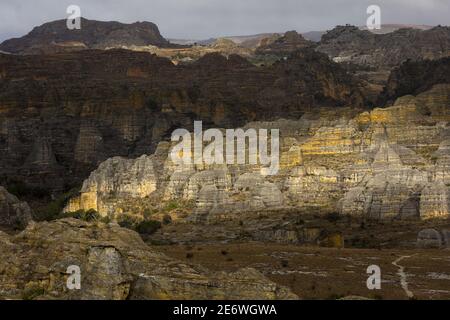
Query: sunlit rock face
[[434, 200], [116, 178], [380, 164]]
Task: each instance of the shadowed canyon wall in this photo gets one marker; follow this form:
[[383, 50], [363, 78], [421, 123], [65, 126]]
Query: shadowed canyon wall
[[62, 114]]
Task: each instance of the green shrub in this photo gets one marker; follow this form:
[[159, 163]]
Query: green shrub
[[151, 103], [148, 227], [79, 214], [105, 219], [54, 209], [148, 213], [333, 217], [167, 219], [32, 293], [189, 255], [127, 221], [89, 215], [172, 205]]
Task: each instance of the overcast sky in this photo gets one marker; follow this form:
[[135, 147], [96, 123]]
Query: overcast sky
[[201, 19]]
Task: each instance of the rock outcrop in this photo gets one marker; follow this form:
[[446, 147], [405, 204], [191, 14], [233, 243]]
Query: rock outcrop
[[361, 47], [283, 46], [114, 263], [433, 239], [55, 37], [414, 77], [13, 213]]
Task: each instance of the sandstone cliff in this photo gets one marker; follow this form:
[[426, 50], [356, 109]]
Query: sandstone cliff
[[61, 115], [389, 163]]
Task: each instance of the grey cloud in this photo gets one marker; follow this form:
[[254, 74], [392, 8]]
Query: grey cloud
[[200, 19]]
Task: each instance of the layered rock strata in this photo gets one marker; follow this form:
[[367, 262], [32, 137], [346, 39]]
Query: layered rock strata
[[383, 164], [349, 44], [63, 114]]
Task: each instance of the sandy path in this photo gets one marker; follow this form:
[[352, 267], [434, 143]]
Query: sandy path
[[403, 277]]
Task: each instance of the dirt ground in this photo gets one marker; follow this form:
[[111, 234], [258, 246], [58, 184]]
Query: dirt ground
[[330, 273]]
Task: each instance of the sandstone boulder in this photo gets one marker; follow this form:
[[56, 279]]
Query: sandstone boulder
[[446, 238], [13, 212], [429, 238]]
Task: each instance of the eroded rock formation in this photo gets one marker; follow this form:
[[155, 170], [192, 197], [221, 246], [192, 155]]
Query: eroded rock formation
[[115, 264], [380, 164]]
